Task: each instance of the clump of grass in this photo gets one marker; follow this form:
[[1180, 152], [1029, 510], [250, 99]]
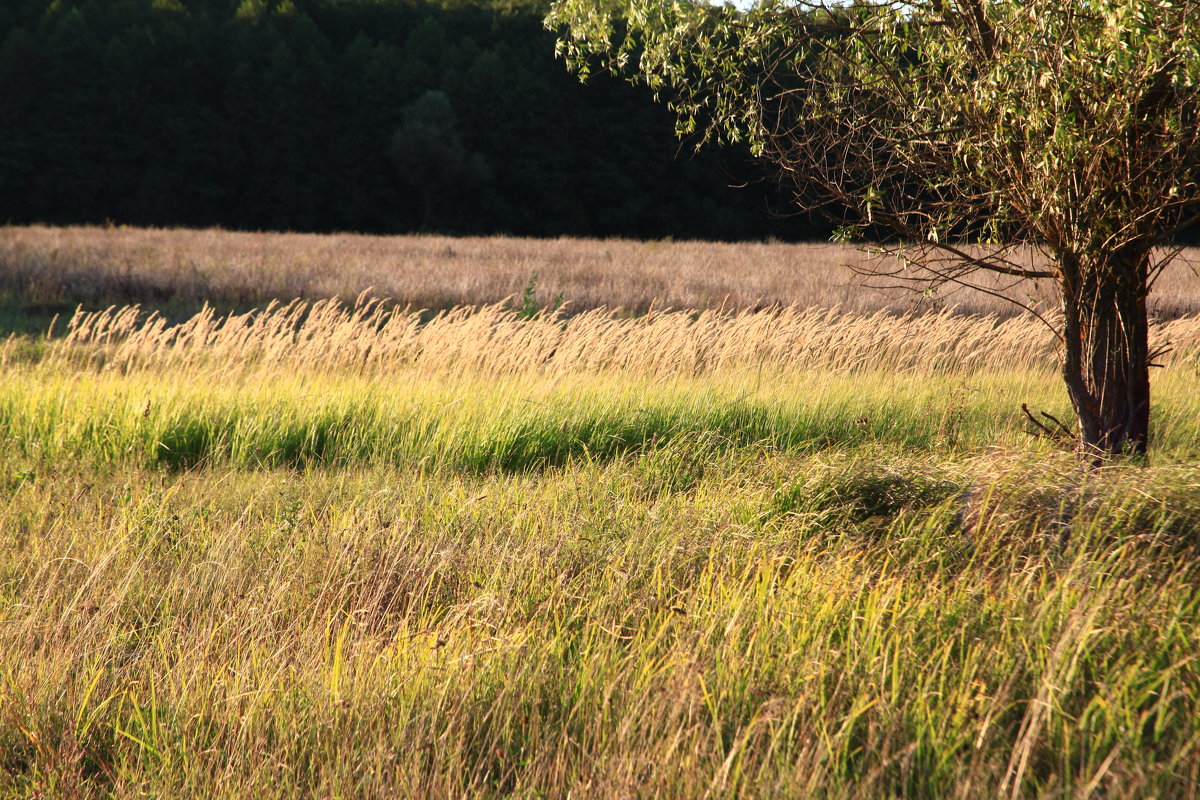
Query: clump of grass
[[859, 489], [1013, 492], [176, 419], [679, 463]]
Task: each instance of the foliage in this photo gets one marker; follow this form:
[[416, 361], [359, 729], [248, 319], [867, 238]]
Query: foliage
[[430, 157], [928, 118], [1067, 125], [280, 115], [530, 308]]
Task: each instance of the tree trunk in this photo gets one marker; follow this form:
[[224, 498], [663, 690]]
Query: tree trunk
[[1106, 363]]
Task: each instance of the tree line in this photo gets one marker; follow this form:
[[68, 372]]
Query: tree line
[[366, 115]]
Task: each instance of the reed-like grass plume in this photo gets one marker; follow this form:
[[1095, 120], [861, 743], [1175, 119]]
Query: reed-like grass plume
[[495, 340]]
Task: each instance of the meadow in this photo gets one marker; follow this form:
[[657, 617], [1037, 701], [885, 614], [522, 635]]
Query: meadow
[[52, 270], [356, 549]]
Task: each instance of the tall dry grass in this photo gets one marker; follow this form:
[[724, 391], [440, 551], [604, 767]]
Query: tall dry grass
[[57, 266], [494, 340], [795, 628]]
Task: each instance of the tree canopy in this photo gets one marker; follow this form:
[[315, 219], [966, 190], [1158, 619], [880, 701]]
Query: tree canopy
[[969, 131], [282, 114]]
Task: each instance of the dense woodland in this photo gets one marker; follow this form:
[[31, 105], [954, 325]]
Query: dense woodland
[[362, 115]]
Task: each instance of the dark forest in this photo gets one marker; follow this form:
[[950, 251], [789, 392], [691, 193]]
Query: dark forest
[[386, 116]]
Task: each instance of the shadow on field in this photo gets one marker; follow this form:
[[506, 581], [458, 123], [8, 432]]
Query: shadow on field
[[678, 442]]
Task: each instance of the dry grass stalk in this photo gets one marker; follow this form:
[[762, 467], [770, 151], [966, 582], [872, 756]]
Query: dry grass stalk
[[496, 340]]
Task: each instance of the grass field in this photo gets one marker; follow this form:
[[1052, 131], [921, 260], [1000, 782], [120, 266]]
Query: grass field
[[346, 551], [44, 271]]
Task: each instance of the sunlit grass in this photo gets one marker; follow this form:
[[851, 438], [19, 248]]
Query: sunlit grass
[[529, 422], [808, 625], [278, 579]]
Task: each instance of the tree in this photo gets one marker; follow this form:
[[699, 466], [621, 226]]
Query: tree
[[973, 131], [430, 156]]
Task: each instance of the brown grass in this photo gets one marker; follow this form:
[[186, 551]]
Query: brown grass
[[67, 266], [493, 340]]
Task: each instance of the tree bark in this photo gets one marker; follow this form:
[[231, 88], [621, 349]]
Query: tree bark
[[1106, 360]]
